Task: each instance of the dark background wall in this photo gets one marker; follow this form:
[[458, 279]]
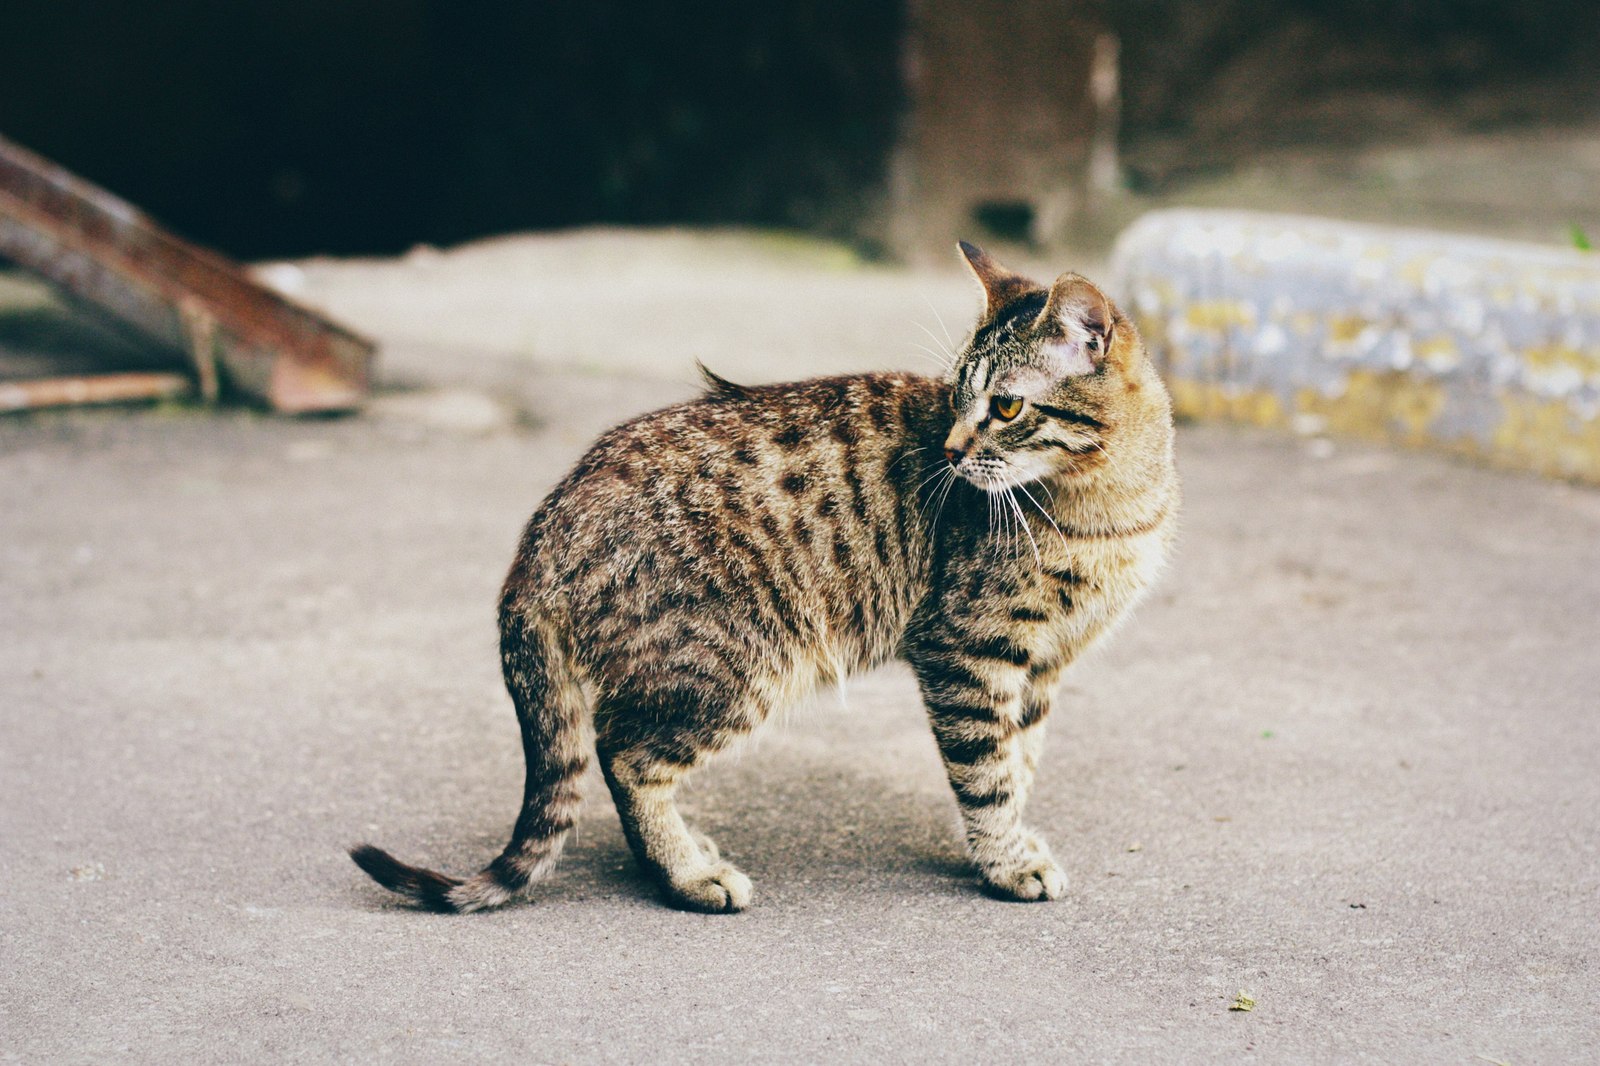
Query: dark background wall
[[1205, 82], [280, 127], [286, 126]]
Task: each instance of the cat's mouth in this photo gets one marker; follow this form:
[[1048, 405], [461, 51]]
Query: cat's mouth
[[996, 475], [986, 482], [991, 475]]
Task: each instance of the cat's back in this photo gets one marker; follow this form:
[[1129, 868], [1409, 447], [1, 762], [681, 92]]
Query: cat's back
[[736, 446], [791, 505]]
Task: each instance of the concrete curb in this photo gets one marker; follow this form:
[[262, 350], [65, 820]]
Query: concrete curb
[[1479, 347]]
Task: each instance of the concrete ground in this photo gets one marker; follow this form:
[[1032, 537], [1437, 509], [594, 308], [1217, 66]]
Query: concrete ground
[[1346, 760]]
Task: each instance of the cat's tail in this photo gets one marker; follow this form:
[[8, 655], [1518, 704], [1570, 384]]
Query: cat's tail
[[552, 711]]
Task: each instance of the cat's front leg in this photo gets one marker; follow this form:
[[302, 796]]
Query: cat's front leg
[[1036, 708], [988, 728], [1014, 861]]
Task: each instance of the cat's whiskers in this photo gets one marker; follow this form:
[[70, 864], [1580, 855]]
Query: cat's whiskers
[[1022, 525], [1046, 514], [926, 474], [1005, 518], [945, 349], [941, 490], [950, 345], [931, 356], [934, 502], [949, 485], [1096, 446], [1006, 524], [1007, 534], [911, 454], [938, 468], [1008, 529]]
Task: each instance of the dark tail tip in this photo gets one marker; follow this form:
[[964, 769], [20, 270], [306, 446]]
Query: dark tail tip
[[429, 889], [719, 387]]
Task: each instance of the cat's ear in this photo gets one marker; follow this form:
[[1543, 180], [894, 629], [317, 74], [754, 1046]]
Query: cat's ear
[[1000, 286], [1076, 324]]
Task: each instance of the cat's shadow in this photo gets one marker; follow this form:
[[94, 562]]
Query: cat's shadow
[[812, 834], [809, 831], [853, 807]]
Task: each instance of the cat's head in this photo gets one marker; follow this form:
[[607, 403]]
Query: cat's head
[[1044, 385]]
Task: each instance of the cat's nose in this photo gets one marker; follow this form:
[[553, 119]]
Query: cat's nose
[[955, 455]]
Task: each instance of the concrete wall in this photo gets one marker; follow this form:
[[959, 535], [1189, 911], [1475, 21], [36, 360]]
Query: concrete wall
[[1478, 347]]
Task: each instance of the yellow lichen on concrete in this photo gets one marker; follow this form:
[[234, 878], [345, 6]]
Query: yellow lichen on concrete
[[1220, 315], [1477, 348], [1438, 353], [1414, 272], [1379, 405], [1543, 436], [1200, 399], [1556, 357], [1153, 328], [1547, 436], [1343, 329]]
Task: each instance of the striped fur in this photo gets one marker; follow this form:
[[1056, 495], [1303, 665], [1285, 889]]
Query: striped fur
[[708, 564]]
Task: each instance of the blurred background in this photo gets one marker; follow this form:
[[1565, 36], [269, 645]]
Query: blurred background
[[1343, 761], [777, 185], [297, 127]]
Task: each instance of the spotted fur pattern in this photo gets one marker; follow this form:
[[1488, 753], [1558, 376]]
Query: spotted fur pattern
[[711, 563]]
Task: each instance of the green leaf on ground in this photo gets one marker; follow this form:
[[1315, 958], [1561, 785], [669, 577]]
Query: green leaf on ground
[[1243, 1001], [1580, 239]]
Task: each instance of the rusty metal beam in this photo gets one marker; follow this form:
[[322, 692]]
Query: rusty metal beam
[[92, 389], [241, 336]]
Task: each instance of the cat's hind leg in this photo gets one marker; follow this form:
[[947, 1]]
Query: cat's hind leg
[[644, 770]]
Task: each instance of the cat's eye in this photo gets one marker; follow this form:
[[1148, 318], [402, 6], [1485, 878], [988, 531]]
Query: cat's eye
[[1005, 408]]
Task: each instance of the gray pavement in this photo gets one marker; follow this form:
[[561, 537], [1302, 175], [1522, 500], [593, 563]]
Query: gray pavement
[[1346, 759]]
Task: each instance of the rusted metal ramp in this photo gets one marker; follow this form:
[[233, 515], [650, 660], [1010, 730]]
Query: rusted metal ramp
[[242, 338]]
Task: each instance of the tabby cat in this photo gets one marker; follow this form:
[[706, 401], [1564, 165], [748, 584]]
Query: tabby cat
[[707, 564]]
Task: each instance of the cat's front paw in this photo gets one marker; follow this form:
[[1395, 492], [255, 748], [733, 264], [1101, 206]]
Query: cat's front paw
[[1032, 882], [721, 889]]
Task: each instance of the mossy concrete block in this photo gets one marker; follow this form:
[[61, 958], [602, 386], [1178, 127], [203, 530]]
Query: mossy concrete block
[[1482, 347]]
